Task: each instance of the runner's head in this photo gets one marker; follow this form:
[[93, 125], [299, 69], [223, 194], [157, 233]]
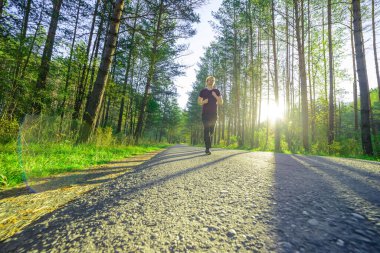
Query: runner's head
[[210, 81]]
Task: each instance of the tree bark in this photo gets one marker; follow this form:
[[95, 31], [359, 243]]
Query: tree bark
[[277, 133], [85, 69], [152, 66], [252, 80], [287, 71], [375, 48], [40, 99], [303, 82], [68, 74], [355, 85], [121, 110], [15, 90], [331, 77], [363, 80], [93, 105]]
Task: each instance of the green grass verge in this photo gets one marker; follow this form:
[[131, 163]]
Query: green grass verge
[[49, 159]]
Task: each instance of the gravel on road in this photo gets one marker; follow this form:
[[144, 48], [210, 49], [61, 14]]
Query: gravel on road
[[185, 201]]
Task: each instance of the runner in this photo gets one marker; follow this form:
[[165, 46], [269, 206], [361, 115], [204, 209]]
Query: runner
[[209, 98]]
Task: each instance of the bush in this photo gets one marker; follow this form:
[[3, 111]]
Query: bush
[[103, 137], [8, 130]]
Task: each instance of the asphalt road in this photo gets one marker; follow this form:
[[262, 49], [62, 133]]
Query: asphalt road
[[185, 201]]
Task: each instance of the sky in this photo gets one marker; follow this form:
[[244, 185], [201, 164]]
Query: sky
[[197, 44]]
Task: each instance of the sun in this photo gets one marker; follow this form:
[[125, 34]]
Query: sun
[[271, 112]]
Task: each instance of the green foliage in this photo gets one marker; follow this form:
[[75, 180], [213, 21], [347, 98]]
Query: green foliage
[[8, 130], [103, 137], [10, 171]]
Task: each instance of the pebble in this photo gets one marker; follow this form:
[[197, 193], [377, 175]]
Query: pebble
[[313, 222], [358, 216], [305, 213], [340, 242], [362, 238], [231, 233], [285, 245]]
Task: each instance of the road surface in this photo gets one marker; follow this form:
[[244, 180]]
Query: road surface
[[185, 201]]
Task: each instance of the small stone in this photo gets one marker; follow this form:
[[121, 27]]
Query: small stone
[[223, 192], [340, 242], [250, 237], [360, 232], [363, 239], [231, 233], [285, 245], [358, 216], [154, 236], [305, 213], [313, 222], [212, 228]]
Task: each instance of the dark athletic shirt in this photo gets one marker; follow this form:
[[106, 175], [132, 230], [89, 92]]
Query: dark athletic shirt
[[211, 107]]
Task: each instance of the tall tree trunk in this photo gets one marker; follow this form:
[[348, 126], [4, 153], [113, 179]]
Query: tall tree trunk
[[259, 98], [19, 55], [287, 86], [363, 80], [355, 85], [152, 66], [331, 76], [324, 53], [375, 48], [260, 86], [24, 29], [40, 99], [106, 112], [252, 72], [25, 65], [244, 98], [310, 72], [236, 81], [292, 89], [85, 70], [68, 74], [277, 133], [124, 93], [268, 88], [301, 56], [93, 105]]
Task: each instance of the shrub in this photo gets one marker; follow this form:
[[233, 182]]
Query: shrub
[[103, 137], [8, 130]]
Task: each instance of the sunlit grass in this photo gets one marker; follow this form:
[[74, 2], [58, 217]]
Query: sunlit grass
[[48, 159]]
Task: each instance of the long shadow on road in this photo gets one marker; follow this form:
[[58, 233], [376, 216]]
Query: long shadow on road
[[26, 240], [325, 207]]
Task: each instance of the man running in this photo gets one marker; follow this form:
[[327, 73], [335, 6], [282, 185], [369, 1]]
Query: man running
[[209, 98]]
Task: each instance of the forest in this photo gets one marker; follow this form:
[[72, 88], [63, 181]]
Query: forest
[[281, 68], [83, 69]]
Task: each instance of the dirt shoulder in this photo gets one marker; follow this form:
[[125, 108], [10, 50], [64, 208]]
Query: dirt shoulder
[[19, 207]]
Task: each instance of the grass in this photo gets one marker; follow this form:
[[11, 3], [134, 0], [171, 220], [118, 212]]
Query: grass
[[54, 158]]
